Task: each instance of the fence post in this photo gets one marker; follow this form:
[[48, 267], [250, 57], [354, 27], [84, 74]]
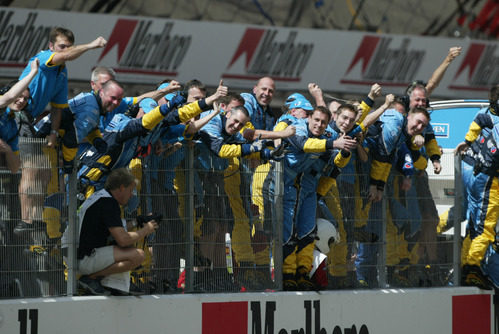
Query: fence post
[[382, 244], [458, 202], [72, 233], [190, 218], [278, 219]]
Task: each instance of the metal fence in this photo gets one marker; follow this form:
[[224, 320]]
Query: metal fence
[[221, 227]]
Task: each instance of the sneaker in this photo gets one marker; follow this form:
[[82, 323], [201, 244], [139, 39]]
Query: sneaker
[[289, 282], [361, 284], [135, 290], [92, 286], [303, 280], [23, 227], [473, 276]]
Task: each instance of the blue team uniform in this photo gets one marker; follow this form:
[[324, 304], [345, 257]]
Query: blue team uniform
[[50, 85]]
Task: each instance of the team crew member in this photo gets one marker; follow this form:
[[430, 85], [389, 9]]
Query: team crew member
[[122, 137], [50, 85], [384, 140], [81, 120], [309, 142], [483, 196], [13, 99]]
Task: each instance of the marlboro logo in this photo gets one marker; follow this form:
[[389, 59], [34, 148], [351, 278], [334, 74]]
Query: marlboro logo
[[479, 69], [142, 52], [19, 42], [376, 60], [269, 53]]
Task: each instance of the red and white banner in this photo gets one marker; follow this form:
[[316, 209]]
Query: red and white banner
[[148, 50], [411, 311]]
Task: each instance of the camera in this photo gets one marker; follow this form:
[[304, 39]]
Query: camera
[[143, 219]]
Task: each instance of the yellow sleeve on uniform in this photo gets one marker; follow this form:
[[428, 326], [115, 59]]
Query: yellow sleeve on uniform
[[314, 145], [95, 133], [421, 163], [188, 111], [473, 132], [230, 151], [380, 170], [432, 148], [280, 126], [248, 125], [340, 160], [152, 118], [95, 173], [364, 110]]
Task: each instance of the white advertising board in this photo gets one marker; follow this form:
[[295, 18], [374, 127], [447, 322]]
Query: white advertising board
[[412, 311], [148, 50]]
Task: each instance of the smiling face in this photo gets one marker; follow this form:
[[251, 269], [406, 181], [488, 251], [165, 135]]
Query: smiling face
[[417, 98], [111, 95], [21, 101], [345, 120], [417, 121], [236, 119], [264, 91], [317, 122]]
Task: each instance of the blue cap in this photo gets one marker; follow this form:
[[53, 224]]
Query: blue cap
[[297, 100], [163, 85]]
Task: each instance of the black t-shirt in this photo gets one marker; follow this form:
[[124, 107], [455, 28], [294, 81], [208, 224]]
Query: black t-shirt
[[99, 217]]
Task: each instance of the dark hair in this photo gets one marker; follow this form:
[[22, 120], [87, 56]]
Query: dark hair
[[60, 31], [7, 87], [493, 99], [347, 106], [119, 177], [323, 110], [231, 97], [422, 110], [194, 83]]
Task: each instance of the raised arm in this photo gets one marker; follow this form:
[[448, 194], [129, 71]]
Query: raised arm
[[157, 94], [195, 126], [221, 91], [439, 72], [74, 52], [20, 86], [372, 117], [316, 92], [252, 134]]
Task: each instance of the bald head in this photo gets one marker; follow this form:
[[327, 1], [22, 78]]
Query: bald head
[[264, 91]]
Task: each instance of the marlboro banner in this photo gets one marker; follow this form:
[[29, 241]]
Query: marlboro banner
[[146, 50]]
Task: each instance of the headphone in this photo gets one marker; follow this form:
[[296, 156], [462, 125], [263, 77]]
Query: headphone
[[7, 87], [406, 98], [494, 100], [494, 107]]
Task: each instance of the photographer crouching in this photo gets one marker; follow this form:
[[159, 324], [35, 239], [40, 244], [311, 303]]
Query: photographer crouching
[[100, 220]]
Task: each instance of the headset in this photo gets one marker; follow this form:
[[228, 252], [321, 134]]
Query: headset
[[406, 98], [494, 100]]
